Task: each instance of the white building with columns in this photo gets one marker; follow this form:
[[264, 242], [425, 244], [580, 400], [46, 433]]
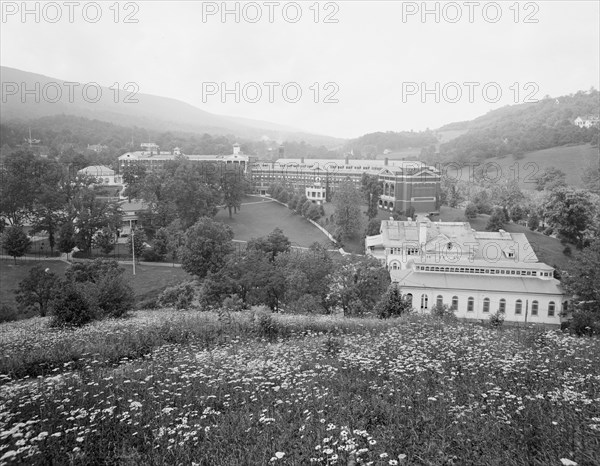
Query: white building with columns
[[475, 273]]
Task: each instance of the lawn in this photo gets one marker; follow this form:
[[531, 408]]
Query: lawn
[[570, 159], [258, 218], [148, 282], [186, 387]]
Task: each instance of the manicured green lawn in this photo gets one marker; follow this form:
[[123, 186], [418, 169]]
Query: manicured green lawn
[[148, 282], [260, 219]]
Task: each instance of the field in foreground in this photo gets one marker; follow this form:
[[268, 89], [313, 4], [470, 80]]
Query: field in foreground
[[167, 387]]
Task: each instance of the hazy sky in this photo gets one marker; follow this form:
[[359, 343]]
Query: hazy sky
[[372, 55]]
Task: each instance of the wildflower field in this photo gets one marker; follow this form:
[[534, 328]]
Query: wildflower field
[[184, 388]]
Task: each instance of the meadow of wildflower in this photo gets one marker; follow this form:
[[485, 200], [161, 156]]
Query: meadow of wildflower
[[183, 388]]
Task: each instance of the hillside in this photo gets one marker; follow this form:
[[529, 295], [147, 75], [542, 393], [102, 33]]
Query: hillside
[[572, 160], [517, 129], [150, 112]]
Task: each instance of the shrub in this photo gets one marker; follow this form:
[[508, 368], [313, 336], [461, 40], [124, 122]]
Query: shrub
[[233, 303], [106, 290], [151, 255], [471, 210], [37, 289], [72, 308], [548, 231], [443, 312], [114, 297], [585, 323], [265, 326], [497, 319], [8, 313], [306, 304], [149, 303], [178, 296], [392, 303], [567, 250]]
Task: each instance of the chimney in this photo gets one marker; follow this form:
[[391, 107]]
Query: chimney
[[422, 232], [346, 160], [236, 149], [301, 159], [385, 161]]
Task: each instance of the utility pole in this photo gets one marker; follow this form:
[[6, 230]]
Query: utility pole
[[132, 245]]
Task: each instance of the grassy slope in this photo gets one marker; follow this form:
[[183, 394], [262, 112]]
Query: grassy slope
[[260, 219], [148, 281], [244, 391], [570, 159]]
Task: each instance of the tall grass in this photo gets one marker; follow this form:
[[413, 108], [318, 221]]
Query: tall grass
[[254, 388]]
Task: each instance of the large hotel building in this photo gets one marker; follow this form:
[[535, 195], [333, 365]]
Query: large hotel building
[[405, 183]]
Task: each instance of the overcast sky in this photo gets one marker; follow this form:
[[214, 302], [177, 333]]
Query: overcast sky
[[372, 54]]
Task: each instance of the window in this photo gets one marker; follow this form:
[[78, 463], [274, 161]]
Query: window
[[424, 300], [534, 308], [486, 305], [454, 302], [518, 307], [470, 304], [551, 308], [502, 307], [440, 301]]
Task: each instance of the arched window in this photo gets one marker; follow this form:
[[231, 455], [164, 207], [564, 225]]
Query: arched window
[[486, 305], [395, 266], [455, 302], [534, 308], [551, 308], [518, 307], [502, 307], [409, 299], [424, 301], [439, 301], [470, 304]]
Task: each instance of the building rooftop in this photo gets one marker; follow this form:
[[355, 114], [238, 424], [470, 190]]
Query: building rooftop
[[97, 170], [509, 284]]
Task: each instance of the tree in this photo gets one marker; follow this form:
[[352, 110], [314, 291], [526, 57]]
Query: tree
[[347, 215], [91, 215], [372, 190], [471, 211], [373, 227], [20, 176], [357, 284], [533, 221], [573, 213], [313, 213], [104, 240], [15, 242], [161, 243], [392, 303], [38, 288], [518, 213], [233, 187], [66, 237], [272, 245], [550, 179], [582, 278], [206, 245], [133, 176], [137, 243], [496, 220]]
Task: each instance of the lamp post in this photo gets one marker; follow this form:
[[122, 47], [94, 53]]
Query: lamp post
[[133, 249]]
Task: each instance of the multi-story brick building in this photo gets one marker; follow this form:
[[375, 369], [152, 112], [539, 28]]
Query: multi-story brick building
[[405, 183]]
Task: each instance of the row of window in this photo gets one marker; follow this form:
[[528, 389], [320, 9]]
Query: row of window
[[484, 271], [486, 304]]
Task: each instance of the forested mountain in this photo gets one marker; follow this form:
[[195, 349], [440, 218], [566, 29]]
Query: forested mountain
[[128, 108], [67, 137], [372, 144], [515, 129]]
